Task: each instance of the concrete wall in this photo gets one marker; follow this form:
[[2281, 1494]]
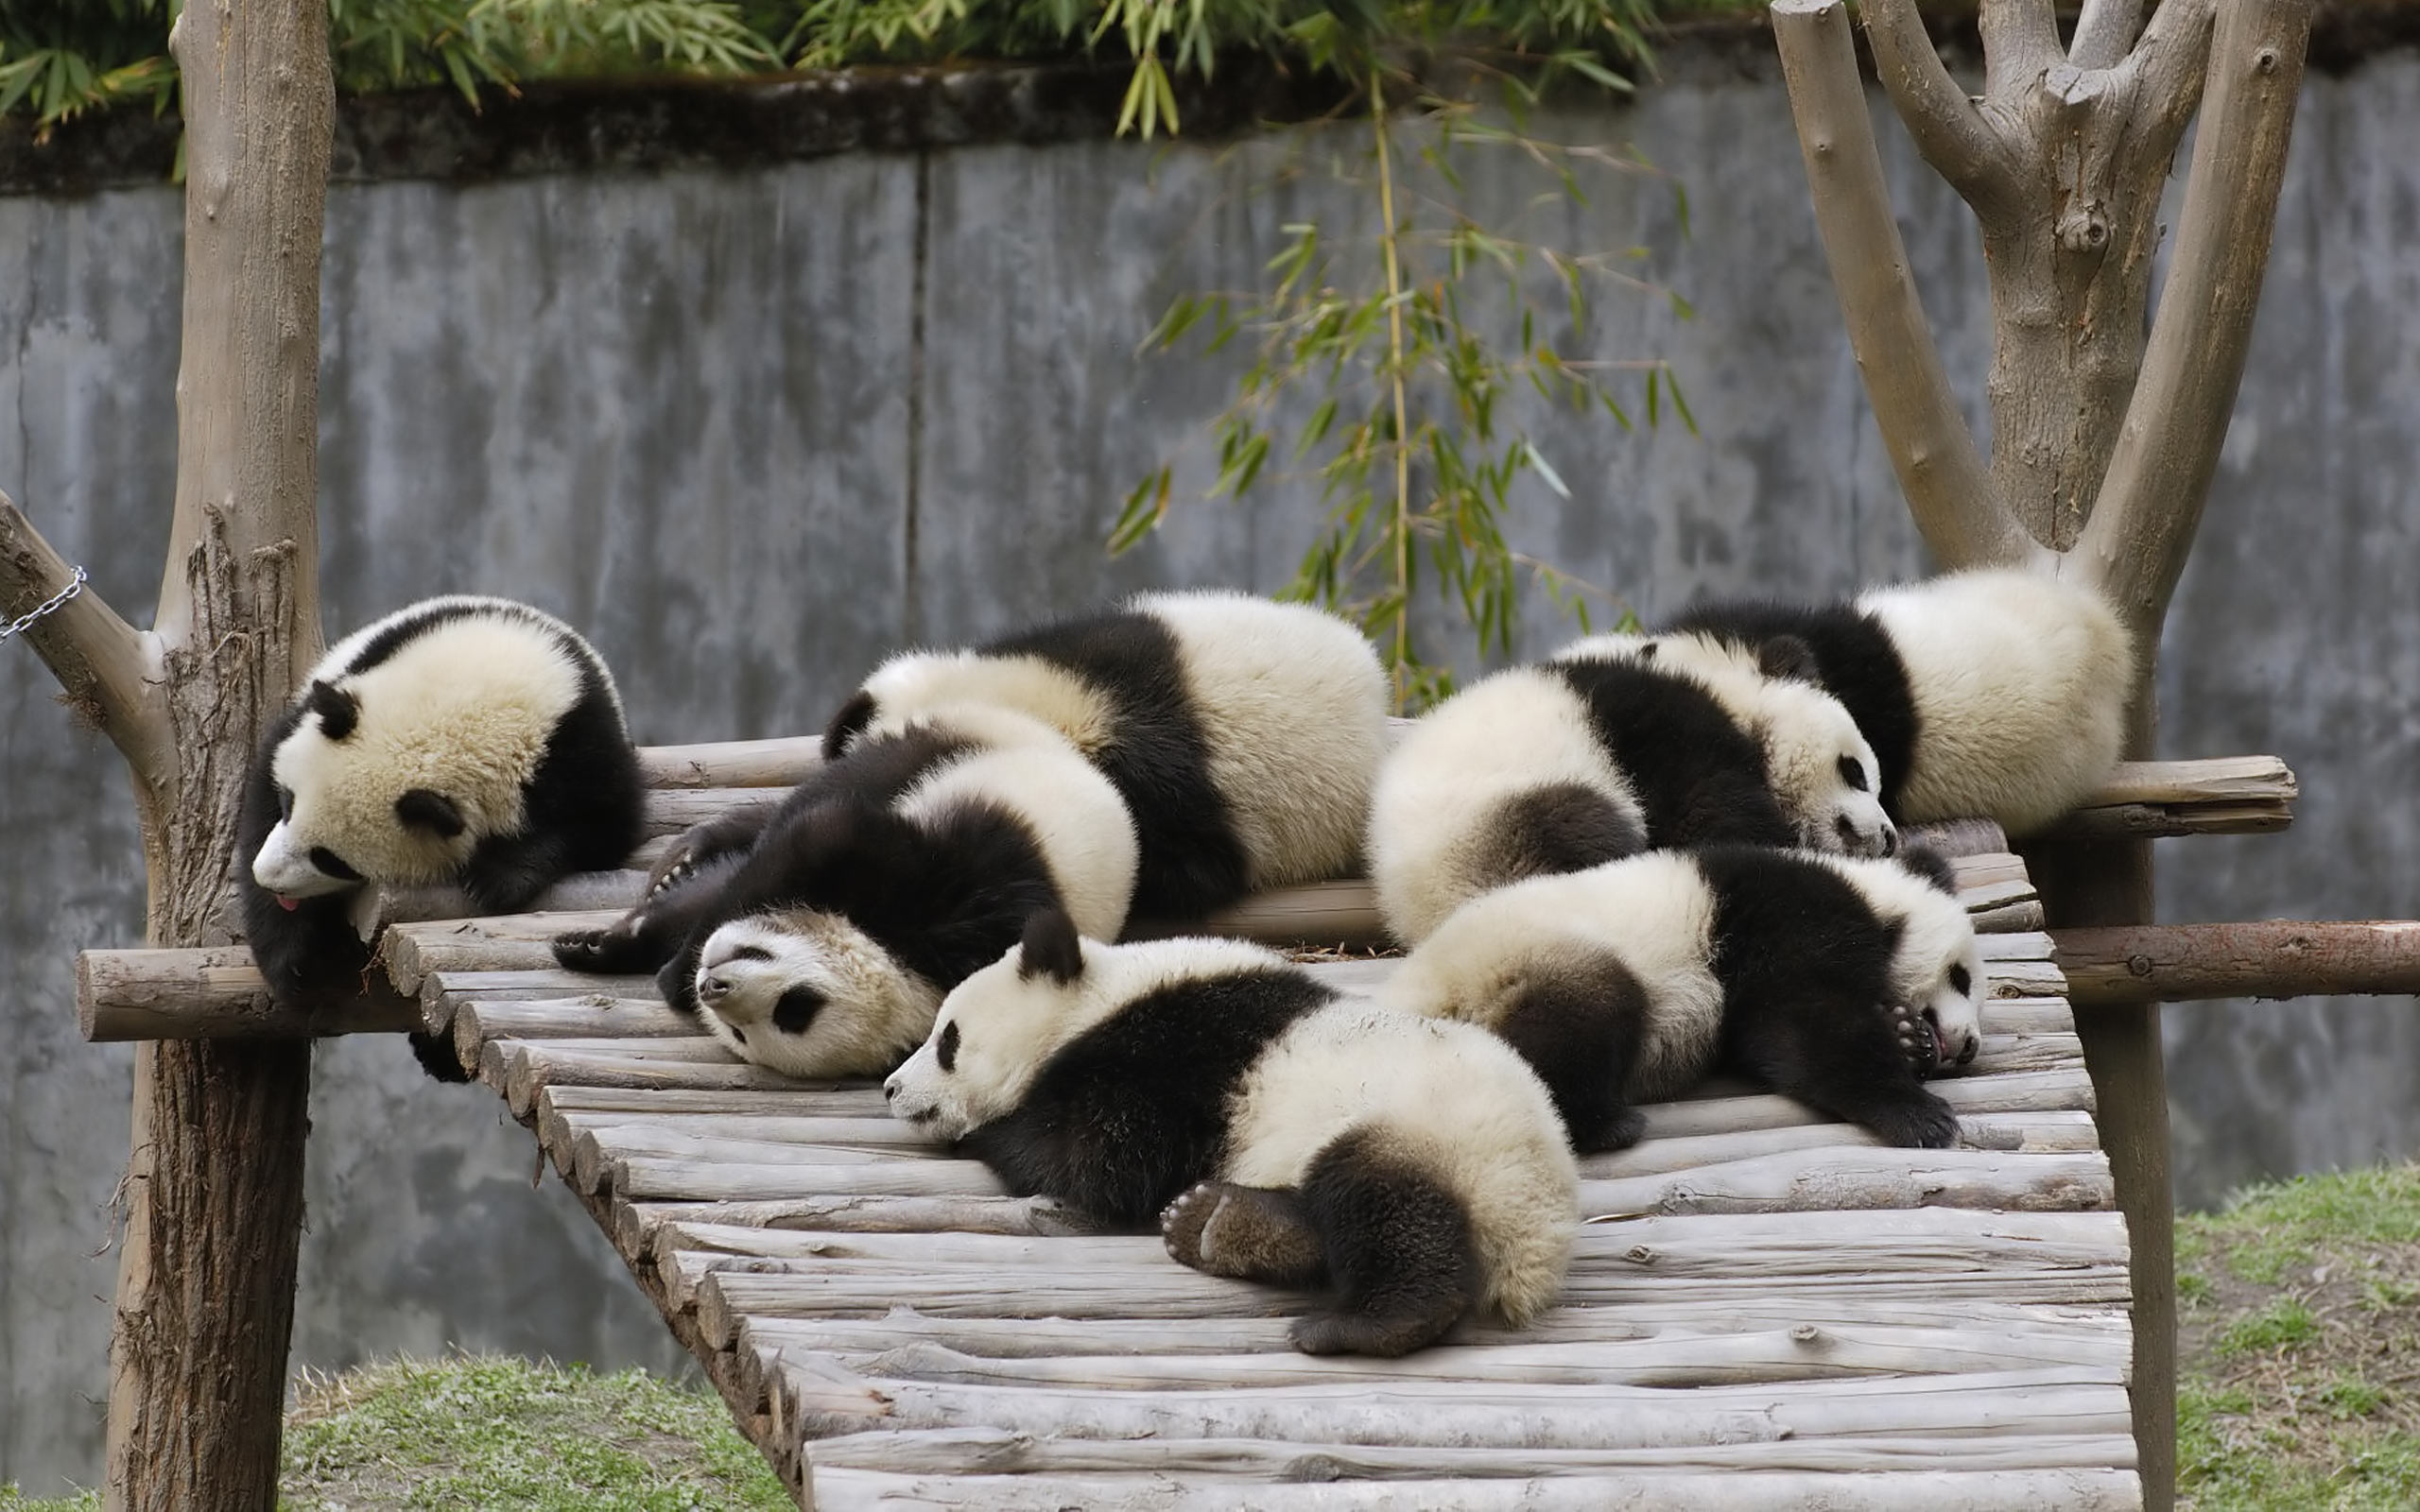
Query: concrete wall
[[752, 427]]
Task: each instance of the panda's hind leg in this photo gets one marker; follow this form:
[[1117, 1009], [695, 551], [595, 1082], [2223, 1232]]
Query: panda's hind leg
[[1252, 1233], [1398, 1246], [1580, 1022]]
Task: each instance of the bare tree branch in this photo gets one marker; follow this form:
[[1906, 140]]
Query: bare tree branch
[[2020, 44], [110, 670], [1953, 136], [2104, 31], [2171, 62], [1940, 468], [2159, 475]]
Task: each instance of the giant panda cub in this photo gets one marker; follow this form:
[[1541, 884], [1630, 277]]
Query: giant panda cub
[[816, 939], [1243, 733], [1838, 981], [1602, 751], [1282, 1133], [465, 740], [1996, 693]]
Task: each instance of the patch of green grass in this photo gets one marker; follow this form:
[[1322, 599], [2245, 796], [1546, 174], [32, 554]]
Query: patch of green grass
[[2282, 1325], [2349, 1396], [2193, 1289], [502, 1433], [12, 1500], [2274, 1228]]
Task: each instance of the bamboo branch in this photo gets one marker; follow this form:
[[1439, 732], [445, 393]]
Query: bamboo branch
[[2277, 958], [1951, 132], [1939, 470], [2104, 32], [110, 670], [2134, 545], [2020, 44]]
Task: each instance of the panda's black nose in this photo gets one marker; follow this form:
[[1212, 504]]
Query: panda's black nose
[[1889, 839], [713, 988]]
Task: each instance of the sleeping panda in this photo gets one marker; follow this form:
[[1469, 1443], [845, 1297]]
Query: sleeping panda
[[465, 740], [1997, 694], [1603, 751], [1838, 981], [1243, 733], [816, 939], [1282, 1133]]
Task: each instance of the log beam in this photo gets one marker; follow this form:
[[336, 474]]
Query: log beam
[[2277, 958]]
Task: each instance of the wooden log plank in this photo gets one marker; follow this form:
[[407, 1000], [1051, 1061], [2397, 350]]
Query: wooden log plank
[[522, 1068], [2277, 958], [2215, 780], [851, 1100], [214, 992], [2023, 917], [639, 1178], [599, 1017], [637, 1221], [1731, 1107], [856, 1133], [722, 1298], [1808, 1180], [671, 809], [783, 763], [2167, 821], [2026, 1015], [1681, 1361], [2055, 1399], [2065, 1130], [1050, 1337], [843, 1489], [609, 892], [599, 1152]]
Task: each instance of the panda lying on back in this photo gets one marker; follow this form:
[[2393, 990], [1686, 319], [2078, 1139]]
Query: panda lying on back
[[1290, 1135], [1997, 694], [1242, 733], [465, 740], [1602, 751], [816, 939], [1835, 981]]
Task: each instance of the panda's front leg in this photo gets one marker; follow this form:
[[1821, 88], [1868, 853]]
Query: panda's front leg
[[1842, 1057]]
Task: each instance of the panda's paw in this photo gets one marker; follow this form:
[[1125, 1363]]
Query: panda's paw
[[1622, 1129], [1918, 1037], [1921, 1122], [599, 951], [1252, 1233]]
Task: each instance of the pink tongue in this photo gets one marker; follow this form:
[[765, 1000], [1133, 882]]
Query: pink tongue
[[1940, 1045], [289, 905]]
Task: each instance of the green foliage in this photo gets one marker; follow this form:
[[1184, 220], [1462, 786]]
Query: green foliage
[[60, 57], [12, 1500], [2282, 1325], [1390, 369]]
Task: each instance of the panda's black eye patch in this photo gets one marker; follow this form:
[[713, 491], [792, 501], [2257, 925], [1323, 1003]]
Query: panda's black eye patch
[[424, 809], [749, 952], [1960, 981], [1853, 773], [796, 1009], [945, 1052], [333, 863]]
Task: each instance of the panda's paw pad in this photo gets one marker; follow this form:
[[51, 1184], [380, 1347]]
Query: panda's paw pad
[[581, 949], [1918, 1045], [1923, 1123], [1224, 1229]]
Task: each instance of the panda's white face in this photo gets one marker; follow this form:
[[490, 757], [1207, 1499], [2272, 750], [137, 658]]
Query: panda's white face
[[1937, 973], [351, 812], [1825, 774], [990, 1039], [810, 994]]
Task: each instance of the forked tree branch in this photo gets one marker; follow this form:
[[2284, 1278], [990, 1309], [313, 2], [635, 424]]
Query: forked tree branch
[[1951, 132], [2020, 44], [1940, 468], [2171, 64], [2104, 32], [110, 670], [2134, 545]]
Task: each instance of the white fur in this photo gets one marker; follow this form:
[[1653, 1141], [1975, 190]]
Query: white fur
[[2020, 685], [1451, 1097], [915, 683], [1805, 732], [1652, 912], [874, 1009], [466, 709], [1520, 730], [1935, 934], [1293, 701]]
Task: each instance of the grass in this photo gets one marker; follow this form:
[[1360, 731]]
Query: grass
[[2299, 1346], [493, 1433]]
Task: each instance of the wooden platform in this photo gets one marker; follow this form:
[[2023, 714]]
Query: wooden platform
[[1765, 1310]]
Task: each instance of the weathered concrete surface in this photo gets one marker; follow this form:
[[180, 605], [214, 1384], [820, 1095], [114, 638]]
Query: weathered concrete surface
[[736, 425]]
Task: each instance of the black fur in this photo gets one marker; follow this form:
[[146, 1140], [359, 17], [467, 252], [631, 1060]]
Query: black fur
[[1854, 660], [685, 893], [1133, 1112], [1579, 1028], [1398, 1249], [1558, 828], [1191, 861], [1804, 967], [1699, 777], [1932, 866], [308, 954]]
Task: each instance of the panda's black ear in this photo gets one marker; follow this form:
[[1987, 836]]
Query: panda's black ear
[[1051, 946], [1787, 656], [1646, 652], [422, 809], [848, 724], [1931, 865], [339, 711]]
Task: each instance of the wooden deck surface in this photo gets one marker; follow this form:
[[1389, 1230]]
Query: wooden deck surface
[[1765, 1310]]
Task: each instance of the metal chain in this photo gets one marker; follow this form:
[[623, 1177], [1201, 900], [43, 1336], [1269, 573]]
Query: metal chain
[[48, 605]]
